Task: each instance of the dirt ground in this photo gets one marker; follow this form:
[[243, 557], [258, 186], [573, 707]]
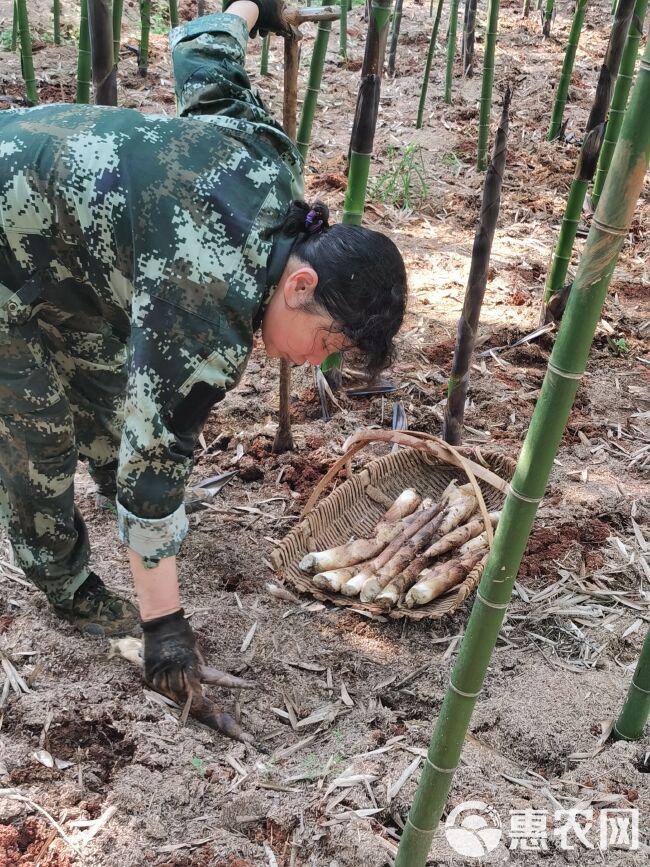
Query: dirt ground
[[335, 792]]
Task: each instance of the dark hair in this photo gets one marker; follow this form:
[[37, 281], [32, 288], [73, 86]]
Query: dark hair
[[361, 279]]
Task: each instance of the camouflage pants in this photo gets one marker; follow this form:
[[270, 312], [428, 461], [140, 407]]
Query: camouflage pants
[[62, 383]]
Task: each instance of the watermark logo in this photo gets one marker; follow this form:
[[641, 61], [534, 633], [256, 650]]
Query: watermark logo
[[473, 828]]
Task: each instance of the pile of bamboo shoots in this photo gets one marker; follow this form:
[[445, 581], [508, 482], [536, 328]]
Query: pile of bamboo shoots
[[419, 550]]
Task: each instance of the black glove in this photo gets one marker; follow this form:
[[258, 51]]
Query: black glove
[[171, 662], [271, 18]]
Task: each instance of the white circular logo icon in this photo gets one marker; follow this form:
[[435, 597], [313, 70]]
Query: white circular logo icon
[[473, 828]]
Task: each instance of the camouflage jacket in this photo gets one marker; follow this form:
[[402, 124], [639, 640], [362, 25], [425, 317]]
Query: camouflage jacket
[[169, 229]]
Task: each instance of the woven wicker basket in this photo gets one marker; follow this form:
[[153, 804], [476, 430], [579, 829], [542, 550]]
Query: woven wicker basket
[[354, 508]]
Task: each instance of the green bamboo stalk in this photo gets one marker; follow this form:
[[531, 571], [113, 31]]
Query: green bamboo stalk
[[567, 69], [565, 369], [635, 711], [145, 27], [264, 55], [451, 49], [14, 29], [469, 36], [476, 283], [427, 65], [394, 36], [587, 162], [526, 9], [26, 61], [619, 99], [313, 86], [547, 18], [486, 84], [173, 13], [56, 12], [83, 58], [118, 6], [343, 34], [101, 42], [365, 119]]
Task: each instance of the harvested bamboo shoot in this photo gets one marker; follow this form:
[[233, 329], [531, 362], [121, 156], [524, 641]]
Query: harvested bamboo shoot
[[360, 550], [333, 579], [413, 524], [458, 511], [475, 544], [434, 582], [393, 591]]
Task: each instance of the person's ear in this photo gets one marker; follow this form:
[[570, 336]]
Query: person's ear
[[299, 287]]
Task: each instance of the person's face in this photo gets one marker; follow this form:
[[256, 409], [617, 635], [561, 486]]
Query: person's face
[[289, 330]]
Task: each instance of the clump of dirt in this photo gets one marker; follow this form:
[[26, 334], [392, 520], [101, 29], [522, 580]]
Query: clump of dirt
[[552, 544], [32, 842]]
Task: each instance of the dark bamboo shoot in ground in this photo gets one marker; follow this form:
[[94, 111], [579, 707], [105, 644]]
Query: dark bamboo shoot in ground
[[104, 70], [476, 283], [469, 37]]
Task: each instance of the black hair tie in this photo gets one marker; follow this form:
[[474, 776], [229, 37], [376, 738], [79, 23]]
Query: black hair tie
[[313, 224]]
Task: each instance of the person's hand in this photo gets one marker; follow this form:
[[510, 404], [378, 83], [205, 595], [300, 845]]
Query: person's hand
[[174, 667], [271, 18], [171, 661]]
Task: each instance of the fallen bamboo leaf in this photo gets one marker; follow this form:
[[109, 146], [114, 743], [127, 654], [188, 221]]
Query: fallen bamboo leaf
[[407, 773], [248, 638], [345, 696]]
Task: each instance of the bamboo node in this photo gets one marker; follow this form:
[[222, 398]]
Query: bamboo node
[[565, 374], [501, 606], [515, 493], [464, 694], [440, 770], [609, 230]]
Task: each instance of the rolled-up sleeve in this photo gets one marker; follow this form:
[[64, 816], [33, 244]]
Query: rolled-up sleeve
[[208, 56], [176, 375]]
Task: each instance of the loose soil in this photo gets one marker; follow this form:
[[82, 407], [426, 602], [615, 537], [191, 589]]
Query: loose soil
[[184, 797]]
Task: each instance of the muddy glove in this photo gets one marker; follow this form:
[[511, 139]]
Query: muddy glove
[[171, 662], [271, 19]]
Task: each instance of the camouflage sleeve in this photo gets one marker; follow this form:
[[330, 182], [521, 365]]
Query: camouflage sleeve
[[178, 369], [208, 56]]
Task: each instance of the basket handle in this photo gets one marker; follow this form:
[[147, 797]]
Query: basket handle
[[423, 442]]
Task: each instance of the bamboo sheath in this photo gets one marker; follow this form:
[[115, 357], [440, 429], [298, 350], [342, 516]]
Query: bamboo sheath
[[559, 103], [458, 385], [145, 28], [487, 85], [619, 99], [548, 18], [566, 367], [83, 57], [427, 66], [104, 71], [26, 60], [469, 38]]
